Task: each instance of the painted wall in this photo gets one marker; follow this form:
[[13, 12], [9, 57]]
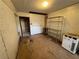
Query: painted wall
[[2, 49], [9, 30], [71, 15], [10, 5], [36, 22], [18, 26], [23, 14]]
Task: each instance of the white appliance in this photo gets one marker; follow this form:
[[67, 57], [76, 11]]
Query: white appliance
[[71, 43]]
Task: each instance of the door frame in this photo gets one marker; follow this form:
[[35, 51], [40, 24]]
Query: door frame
[[21, 25]]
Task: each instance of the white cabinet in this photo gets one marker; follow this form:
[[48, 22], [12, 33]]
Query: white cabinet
[[67, 43], [70, 43]]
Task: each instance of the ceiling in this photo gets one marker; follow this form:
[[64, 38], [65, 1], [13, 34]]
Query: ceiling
[[36, 5]]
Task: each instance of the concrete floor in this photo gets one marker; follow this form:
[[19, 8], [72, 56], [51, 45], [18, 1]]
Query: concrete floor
[[41, 47]]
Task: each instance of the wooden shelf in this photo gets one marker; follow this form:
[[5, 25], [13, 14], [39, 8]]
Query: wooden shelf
[[55, 26], [54, 29], [56, 21], [55, 17]]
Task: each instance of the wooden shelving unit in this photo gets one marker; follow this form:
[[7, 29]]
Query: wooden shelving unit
[[55, 27]]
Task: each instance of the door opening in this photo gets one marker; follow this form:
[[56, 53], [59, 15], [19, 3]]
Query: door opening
[[25, 26]]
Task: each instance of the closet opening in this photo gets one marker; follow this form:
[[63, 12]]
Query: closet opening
[[24, 26]]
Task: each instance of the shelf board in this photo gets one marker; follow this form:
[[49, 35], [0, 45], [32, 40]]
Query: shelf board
[[55, 17], [56, 21], [54, 29]]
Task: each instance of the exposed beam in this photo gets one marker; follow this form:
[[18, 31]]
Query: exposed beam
[[38, 13]]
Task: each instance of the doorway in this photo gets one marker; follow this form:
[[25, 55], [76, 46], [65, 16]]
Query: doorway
[[25, 26]]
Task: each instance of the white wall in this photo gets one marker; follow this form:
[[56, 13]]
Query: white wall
[[71, 15], [9, 4], [8, 29], [37, 21], [23, 14], [2, 49]]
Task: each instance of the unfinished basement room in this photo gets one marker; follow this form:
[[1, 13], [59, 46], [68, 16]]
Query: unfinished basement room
[[39, 29]]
